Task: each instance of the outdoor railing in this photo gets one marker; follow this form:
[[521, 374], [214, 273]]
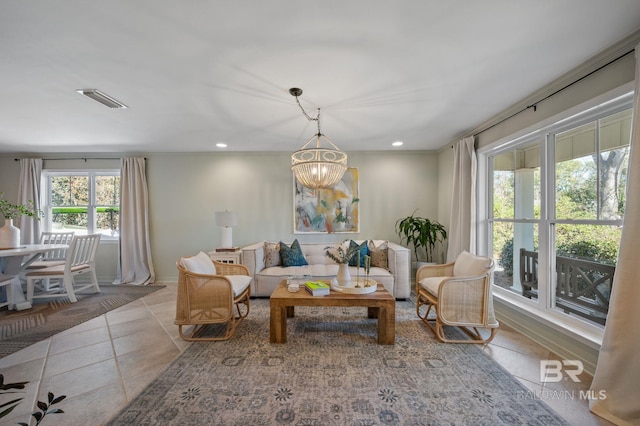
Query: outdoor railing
[[583, 287]]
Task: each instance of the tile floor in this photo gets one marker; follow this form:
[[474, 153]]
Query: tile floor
[[104, 363]]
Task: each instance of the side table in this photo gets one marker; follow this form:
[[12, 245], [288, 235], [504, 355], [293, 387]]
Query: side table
[[234, 257]]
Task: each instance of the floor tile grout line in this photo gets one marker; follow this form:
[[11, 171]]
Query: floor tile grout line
[[115, 359]]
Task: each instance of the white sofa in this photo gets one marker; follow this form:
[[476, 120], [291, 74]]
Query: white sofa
[[395, 277]]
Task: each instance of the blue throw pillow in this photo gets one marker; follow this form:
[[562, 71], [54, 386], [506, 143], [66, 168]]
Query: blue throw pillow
[[292, 256], [364, 251]]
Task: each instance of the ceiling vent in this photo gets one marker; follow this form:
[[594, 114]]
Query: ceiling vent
[[104, 99]]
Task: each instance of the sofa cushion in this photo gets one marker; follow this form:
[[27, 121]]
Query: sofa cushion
[[292, 256], [271, 255], [363, 250], [379, 254], [200, 264]]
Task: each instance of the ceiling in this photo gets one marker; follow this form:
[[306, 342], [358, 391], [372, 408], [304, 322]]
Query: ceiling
[[195, 73]]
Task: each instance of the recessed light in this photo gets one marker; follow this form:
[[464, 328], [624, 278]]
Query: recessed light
[[398, 143], [103, 98], [221, 145]]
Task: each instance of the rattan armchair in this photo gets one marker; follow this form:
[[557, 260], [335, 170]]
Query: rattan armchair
[[460, 295], [211, 298]]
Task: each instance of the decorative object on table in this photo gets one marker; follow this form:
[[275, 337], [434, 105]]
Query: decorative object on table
[[317, 167], [327, 211], [10, 234], [367, 266], [359, 285], [317, 288], [293, 287], [342, 255], [421, 232], [227, 220]]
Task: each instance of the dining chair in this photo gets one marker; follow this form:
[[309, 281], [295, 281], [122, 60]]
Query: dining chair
[[5, 281], [80, 259], [52, 257]]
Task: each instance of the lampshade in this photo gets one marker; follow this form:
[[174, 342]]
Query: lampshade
[[226, 218], [318, 167]]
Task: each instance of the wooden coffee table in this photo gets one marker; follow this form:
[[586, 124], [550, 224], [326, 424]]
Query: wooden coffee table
[[380, 305]]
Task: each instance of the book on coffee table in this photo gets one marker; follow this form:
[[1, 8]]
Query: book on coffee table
[[317, 288]]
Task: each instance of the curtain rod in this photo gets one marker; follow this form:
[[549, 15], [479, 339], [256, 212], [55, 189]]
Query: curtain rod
[[80, 158], [534, 105]]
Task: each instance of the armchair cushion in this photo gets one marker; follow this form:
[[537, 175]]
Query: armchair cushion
[[200, 264], [292, 256], [239, 283], [468, 265], [432, 284]]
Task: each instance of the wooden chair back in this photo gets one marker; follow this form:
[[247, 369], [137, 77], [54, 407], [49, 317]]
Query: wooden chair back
[[82, 251], [56, 238]]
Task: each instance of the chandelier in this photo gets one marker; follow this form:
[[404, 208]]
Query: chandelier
[[316, 167]]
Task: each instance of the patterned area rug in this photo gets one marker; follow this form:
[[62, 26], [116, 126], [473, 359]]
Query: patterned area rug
[[331, 371], [19, 329]]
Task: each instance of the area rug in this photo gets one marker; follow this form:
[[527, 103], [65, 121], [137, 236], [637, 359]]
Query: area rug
[[19, 329], [331, 371]]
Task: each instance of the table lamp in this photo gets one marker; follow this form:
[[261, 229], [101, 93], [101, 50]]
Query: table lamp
[[226, 220]]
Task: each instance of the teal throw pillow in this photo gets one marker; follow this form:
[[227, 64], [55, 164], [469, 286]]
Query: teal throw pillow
[[292, 256], [364, 251]]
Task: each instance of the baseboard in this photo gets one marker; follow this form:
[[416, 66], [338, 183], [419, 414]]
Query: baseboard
[[555, 341]]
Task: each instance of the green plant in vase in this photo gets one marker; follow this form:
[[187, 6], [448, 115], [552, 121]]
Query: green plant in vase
[[13, 211], [9, 234]]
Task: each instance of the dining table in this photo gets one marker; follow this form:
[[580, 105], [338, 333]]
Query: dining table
[[15, 260]]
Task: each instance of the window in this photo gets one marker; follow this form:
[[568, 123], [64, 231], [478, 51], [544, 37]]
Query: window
[[554, 209], [85, 202]]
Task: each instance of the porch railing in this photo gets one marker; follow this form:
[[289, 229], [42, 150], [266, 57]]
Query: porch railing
[[583, 287]]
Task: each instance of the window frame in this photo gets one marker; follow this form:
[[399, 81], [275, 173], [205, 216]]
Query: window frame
[[541, 310], [91, 174]]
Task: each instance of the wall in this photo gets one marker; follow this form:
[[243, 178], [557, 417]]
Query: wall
[[186, 189]]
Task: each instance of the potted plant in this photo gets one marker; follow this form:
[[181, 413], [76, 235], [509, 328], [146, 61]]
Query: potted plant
[[341, 255], [421, 232], [9, 234]]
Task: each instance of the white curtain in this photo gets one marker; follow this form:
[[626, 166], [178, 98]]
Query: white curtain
[[29, 190], [462, 230], [135, 265], [618, 369]]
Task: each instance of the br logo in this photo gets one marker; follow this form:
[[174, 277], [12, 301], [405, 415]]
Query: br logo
[[554, 370]]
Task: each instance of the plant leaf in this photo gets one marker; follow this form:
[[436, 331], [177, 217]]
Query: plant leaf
[[11, 402], [42, 406], [58, 399], [37, 415], [15, 403]]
